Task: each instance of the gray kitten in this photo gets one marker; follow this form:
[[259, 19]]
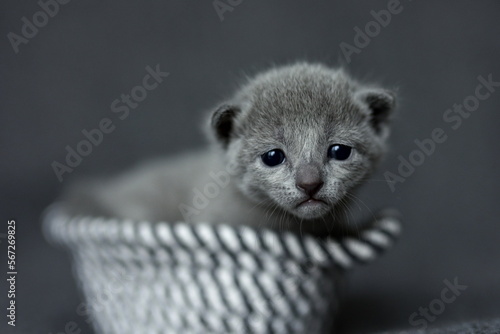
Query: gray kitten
[[289, 148]]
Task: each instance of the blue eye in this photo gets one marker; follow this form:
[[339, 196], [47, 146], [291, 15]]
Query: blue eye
[[339, 152], [273, 158]]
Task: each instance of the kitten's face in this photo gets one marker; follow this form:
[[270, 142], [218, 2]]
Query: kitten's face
[[304, 171], [302, 138]]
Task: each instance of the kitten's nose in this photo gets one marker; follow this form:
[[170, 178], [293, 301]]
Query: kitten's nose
[[310, 188], [309, 179]]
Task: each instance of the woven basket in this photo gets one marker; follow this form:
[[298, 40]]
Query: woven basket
[[141, 277]]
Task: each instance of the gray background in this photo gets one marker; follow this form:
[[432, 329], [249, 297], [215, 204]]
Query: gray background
[[91, 52]]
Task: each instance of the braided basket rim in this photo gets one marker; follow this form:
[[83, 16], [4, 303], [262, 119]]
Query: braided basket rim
[[73, 231]]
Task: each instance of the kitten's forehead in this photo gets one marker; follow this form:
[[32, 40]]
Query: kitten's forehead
[[291, 104]]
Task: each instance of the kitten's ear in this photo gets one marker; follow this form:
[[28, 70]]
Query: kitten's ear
[[222, 123], [381, 103]]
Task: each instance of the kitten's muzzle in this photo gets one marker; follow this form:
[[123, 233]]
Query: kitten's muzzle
[[309, 179]]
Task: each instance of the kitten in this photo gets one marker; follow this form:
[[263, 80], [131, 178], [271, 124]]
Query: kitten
[[289, 147]]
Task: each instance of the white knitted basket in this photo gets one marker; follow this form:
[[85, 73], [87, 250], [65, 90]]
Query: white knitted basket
[[141, 277]]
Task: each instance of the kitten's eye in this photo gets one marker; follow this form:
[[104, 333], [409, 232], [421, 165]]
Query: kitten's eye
[[339, 152], [273, 157]]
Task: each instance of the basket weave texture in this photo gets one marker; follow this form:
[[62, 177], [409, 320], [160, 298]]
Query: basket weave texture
[[142, 277]]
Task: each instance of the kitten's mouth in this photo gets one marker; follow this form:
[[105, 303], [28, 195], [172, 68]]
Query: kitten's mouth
[[311, 202], [311, 208]]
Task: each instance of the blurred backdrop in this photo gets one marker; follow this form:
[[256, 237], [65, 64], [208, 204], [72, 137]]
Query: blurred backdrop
[[62, 71]]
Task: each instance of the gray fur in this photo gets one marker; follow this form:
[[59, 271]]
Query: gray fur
[[301, 109]]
